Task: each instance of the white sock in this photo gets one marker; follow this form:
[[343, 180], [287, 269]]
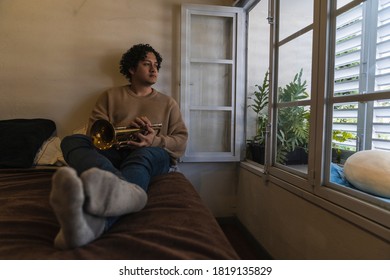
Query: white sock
[[67, 199], [107, 195]]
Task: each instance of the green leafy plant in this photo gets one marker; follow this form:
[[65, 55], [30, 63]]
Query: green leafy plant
[[340, 136], [293, 122], [259, 105]]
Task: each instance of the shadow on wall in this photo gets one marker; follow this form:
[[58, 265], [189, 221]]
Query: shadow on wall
[[79, 114], [109, 66]]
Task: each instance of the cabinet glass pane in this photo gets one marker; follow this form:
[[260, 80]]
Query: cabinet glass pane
[[211, 37], [294, 15], [210, 84], [216, 125]]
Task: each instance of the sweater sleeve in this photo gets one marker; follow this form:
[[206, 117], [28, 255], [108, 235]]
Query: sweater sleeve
[[175, 140]]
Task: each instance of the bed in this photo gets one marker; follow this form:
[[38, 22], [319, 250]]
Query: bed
[[175, 224]]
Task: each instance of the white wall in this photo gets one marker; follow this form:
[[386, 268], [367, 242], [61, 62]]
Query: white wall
[[57, 56], [216, 183]]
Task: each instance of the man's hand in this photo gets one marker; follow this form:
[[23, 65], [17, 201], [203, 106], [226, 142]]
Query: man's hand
[[145, 137]]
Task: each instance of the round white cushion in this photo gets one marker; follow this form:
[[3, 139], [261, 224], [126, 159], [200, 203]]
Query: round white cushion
[[369, 171]]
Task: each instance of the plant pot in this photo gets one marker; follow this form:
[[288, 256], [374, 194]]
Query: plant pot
[[256, 152], [339, 156], [298, 156]]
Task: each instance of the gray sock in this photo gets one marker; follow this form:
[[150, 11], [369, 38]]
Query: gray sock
[[107, 195], [67, 199]]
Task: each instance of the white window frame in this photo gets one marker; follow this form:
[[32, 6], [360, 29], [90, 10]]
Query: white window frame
[[366, 205], [369, 212], [237, 86], [366, 83]]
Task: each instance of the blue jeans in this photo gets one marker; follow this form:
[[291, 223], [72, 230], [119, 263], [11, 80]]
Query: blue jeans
[[136, 166]]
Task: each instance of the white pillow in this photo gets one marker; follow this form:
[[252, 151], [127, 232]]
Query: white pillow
[[50, 153], [369, 171]]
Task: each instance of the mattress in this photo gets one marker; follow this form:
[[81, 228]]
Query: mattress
[[175, 224]]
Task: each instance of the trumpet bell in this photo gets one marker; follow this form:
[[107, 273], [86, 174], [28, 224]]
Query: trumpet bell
[[103, 134]]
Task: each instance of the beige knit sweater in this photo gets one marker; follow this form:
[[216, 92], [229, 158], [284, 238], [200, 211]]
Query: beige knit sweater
[[120, 106]]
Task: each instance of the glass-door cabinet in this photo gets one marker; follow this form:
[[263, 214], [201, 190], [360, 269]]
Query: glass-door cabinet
[[211, 82]]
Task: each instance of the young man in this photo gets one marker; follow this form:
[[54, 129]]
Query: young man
[[101, 185]]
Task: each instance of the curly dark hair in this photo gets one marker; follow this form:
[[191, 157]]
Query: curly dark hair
[[134, 55]]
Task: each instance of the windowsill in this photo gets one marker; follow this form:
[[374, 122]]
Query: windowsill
[[258, 169], [253, 167]]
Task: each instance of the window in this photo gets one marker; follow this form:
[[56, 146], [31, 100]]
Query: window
[[360, 101], [286, 29], [361, 67], [258, 53], [293, 92], [211, 80], [329, 93], [292, 83]]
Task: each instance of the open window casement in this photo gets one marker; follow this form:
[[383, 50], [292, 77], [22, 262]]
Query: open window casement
[[212, 82]]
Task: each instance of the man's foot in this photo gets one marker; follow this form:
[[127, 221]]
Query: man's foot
[[107, 195], [67, 199]]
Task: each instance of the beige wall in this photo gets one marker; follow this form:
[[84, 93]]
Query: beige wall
[[290, 227], [56, 56]]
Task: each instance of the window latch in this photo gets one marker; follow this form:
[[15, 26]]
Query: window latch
[[270, 18]]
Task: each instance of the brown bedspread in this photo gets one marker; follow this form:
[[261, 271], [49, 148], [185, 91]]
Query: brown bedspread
[[174, 224]]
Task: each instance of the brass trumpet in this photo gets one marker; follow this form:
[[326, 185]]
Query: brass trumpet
[[105, 135]]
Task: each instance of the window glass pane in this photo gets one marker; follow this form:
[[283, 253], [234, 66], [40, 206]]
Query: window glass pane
[[361, 66], [210, 84], [381, 125], [293, 137], [204, 122], [341, 3], [257, 67], [346, 128], [294, 16], [290, 66], [382, 69], [294, 83], [348, 52], [211, 37], [344, 131]]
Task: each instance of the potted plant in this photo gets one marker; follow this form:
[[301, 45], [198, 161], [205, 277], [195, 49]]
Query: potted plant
[[256, 146], [339, 154], [293, 123]]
